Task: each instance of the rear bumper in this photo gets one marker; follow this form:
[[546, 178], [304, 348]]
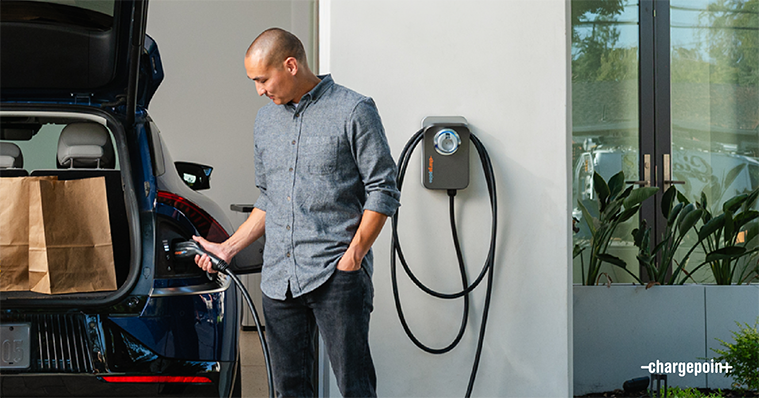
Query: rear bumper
[[184, 336]]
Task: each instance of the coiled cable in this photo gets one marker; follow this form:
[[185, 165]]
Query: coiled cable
[[487, 268]]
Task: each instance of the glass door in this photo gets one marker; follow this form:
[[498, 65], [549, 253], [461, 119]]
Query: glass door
[[668, 93], [714, 55], [605, 114]]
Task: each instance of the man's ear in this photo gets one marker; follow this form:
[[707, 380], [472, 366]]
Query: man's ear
[[291, 65]]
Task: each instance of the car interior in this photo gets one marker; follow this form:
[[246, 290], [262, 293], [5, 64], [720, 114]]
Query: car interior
[[11, 161], [69, 150]]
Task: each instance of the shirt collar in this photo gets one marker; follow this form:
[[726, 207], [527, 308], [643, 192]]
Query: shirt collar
[[319, 90]]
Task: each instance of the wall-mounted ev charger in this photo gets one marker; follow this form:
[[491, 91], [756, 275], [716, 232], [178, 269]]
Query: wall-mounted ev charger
[[445, 166], [445, 152]]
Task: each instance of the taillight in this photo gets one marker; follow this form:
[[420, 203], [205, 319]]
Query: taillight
[[206, 225], [157, 379]]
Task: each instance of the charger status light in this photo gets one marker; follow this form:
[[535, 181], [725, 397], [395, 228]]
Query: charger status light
[[447, 142]]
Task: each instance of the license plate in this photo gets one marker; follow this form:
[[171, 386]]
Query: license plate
[[15, 345]]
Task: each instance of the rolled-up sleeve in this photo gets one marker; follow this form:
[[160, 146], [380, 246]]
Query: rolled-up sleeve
[[373, 158]]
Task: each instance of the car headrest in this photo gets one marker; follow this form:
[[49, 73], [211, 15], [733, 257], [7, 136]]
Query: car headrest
[[85, 145], [10, 156]]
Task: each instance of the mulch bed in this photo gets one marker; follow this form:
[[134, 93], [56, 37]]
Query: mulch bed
[[622, 394]]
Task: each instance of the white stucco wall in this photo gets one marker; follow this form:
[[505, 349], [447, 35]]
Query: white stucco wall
[[503, 66]]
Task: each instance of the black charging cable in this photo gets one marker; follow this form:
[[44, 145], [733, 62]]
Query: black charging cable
[[188, 250], [487, 268]]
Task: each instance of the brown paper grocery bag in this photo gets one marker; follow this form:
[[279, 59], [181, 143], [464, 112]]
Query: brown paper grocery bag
[[70, 248], [14, 232]]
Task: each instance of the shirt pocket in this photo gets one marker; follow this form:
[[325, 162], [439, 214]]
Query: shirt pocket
[[319, 154]]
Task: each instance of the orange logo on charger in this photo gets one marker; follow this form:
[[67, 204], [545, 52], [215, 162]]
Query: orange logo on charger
[[429, 170]]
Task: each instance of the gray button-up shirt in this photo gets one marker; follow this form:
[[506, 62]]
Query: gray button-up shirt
[[319, 165]]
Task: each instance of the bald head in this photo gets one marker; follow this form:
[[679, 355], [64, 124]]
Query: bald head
[[275, 45], [276, 62]]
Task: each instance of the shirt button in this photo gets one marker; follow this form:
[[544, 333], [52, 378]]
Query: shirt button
[[287, 227], [293, 142], [288, 254], [291, 169], [288, 198]]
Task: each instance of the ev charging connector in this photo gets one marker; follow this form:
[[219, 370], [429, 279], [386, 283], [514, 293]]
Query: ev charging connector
[[445, 153]]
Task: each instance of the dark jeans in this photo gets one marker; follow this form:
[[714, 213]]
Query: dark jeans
[[340, 308]]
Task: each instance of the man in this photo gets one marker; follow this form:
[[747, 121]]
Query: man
[[327, 183]]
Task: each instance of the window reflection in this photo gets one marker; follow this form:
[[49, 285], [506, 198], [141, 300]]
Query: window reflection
[[715, 96], [715, 100], [604, 108]]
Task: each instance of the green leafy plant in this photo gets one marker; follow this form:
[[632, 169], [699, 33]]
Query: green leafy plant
[[690, 392], [613, 205], [726, 237], [681, 218], [743, 356], [718, 186]]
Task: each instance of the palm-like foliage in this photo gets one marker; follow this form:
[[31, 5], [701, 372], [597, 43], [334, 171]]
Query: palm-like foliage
[[681, 218], [726, 237], [612, 206]]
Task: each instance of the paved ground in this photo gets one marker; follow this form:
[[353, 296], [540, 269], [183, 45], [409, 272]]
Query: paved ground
[[253, 368]]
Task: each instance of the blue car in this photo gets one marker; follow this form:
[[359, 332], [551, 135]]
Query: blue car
[[76, 79]]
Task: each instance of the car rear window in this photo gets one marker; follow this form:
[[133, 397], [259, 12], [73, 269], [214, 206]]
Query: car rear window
[[90, 14], [41, 151]]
